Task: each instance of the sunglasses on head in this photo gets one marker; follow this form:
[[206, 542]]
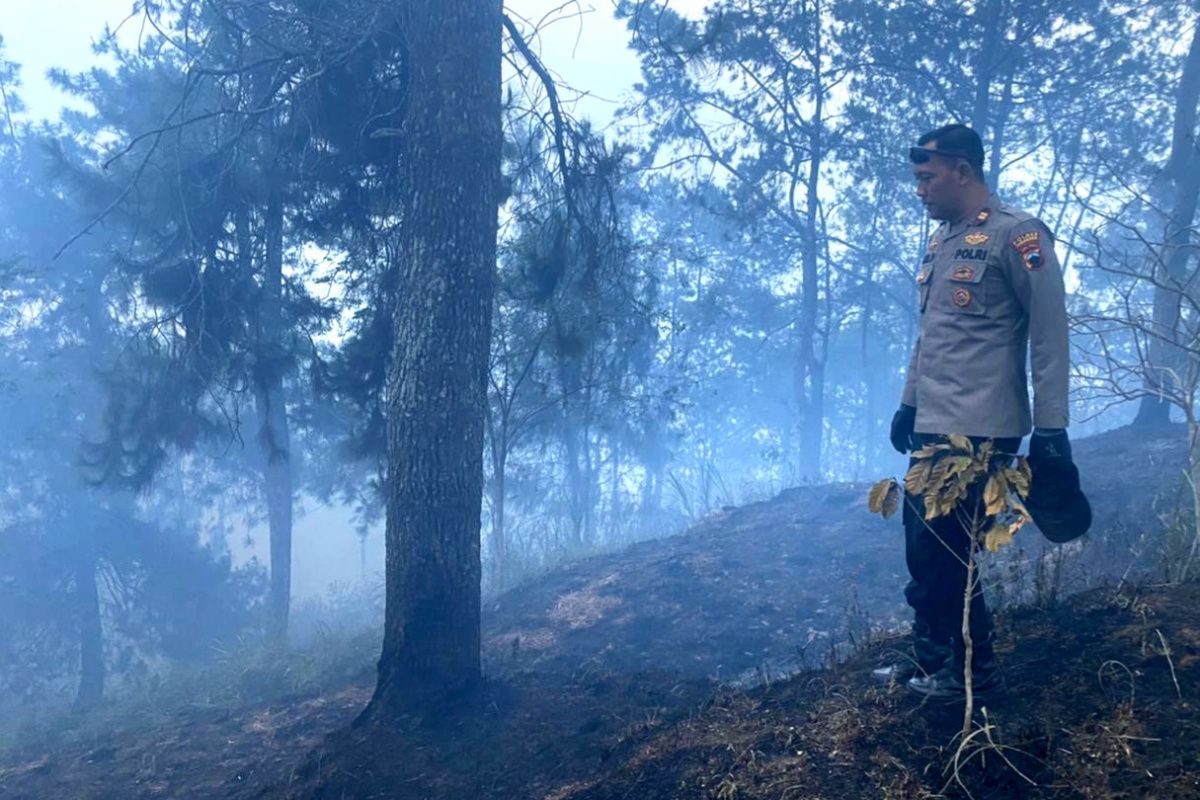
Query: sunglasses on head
[[919, 155]]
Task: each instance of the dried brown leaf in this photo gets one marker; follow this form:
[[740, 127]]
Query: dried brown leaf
[[1020, 515], [877, 500], [891, 500], [995, 494], [1023, 476], [998, 536], [917, 478], [960, 442]]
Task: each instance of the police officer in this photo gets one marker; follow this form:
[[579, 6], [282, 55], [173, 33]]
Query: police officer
[[991, 294]]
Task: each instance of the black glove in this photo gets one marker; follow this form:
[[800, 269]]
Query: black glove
[[903, 422], [1055, 478], [1055, 481], [1049, 444]]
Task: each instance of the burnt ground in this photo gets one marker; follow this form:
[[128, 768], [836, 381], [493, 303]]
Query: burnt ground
[[654, 673]]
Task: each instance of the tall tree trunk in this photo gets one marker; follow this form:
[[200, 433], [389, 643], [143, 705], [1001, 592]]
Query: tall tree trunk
[[985, 67], [91, 635], [274, 435], [874, 405], [1000, 121], [437, 386], [614, 504], [500, 555], [575, 404], [809, 373], [576, 483], [1170, 263], [91, 629], [1172, 266], [591, 467]]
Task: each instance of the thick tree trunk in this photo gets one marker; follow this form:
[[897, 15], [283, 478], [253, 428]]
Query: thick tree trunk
[[1169, 264], [274, 435], [91, 636], [437, 387]]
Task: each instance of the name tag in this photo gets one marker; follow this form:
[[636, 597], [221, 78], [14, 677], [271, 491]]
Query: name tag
[[971, 254]]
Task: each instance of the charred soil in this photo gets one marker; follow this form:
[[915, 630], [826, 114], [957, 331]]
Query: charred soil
[[730, 662]]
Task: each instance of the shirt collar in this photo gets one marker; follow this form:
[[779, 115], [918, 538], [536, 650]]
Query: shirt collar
[[977, 216]]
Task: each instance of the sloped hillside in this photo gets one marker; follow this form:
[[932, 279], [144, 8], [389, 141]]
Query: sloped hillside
[[785, 580], [1099, 702], [656, 673]]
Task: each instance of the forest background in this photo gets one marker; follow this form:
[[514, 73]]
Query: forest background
[[706, 301]]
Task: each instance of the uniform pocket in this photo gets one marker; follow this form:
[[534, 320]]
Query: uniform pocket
[[964, 288]]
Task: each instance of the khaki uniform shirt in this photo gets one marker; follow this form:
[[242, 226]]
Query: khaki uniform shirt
[[991, 293]]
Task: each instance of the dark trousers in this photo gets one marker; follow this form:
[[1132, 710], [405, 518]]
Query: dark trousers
[[936, 551]]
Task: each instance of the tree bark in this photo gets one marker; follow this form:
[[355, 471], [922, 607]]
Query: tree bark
[[615, 527], [274, 435], [1000, 121], [985, 67], [449, 163], [91, 636], [1170, 263], [810, 384], [500, 554]]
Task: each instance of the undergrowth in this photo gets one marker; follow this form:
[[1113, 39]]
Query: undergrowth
[[332, 646]]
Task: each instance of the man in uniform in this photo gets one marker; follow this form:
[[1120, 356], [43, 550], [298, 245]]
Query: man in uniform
[[991, 294]]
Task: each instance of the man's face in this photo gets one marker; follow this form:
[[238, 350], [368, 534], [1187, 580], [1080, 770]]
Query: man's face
[[941, 186]]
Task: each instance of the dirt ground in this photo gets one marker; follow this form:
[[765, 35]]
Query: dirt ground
[[658, 672]]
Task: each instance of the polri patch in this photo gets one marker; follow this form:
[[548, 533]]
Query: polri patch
[[971, 254], [1029, 245], [975, 239]]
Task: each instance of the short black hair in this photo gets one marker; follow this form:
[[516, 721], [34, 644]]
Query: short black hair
[[960, 140]]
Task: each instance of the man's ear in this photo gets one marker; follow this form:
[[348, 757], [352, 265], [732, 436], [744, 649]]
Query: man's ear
[[963, 172]]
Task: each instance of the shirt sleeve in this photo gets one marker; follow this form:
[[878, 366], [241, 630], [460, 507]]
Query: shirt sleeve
[[909, 396], [1037, 280]]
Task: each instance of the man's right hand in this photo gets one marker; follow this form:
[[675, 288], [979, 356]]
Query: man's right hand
[[903, 422]]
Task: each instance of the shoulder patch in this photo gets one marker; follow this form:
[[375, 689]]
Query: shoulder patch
[[1029, 246]]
